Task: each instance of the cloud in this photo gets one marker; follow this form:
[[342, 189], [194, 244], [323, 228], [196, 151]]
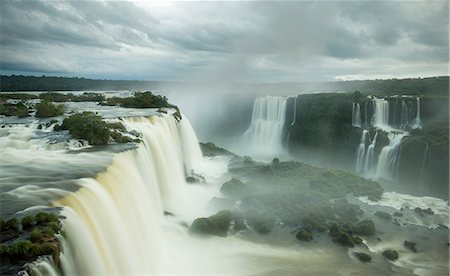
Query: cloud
[[225, 41]]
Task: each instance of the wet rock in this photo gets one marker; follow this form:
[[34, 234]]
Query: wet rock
[[363, 257], [391, 255], [410, 245]]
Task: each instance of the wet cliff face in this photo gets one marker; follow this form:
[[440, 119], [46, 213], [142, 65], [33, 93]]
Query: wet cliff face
[[321, 128]]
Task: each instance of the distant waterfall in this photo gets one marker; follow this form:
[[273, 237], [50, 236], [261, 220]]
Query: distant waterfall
[[360, 152], [404, 119], [417, 122], [369, 158], [265, 133], [380, 118], [389, 157], [121, 209], [356, 115], [294, 120]]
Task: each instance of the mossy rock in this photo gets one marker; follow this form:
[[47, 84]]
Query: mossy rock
[[43, 217], [383, 215], [365, 227], [234, 188], [363, 257], [304, 235], [410, 245], [28, 221], [217, 224], [391, 255]]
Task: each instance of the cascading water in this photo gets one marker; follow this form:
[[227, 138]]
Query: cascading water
[[417, 122], [368, 162], [380, 118], [404, 119], [356, 115], [360, 152], [294, 120], [388, 160], [265, 133], [128, 200]]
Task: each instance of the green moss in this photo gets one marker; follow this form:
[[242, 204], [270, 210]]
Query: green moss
[[87, 126], [3, 249], [391, 255], [46, 109]]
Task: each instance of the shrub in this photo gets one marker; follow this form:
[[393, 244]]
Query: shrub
[[20, 248], [43, 217], [363, 257], [27, 221], [391, 255], [217, 224], [46, 109], [87, 126], [410, 245], [304, 235], [36, 235], [11, 224], [365, 227], [119, 138]]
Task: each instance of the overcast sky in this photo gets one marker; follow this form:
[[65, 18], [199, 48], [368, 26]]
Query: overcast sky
[[228, 41]]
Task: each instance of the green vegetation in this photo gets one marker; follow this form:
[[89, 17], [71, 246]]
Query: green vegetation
[[28, 221], [34, 240], [391, 255], [46, 109], [365, 227], [217, 224], [70, 97], [363, 257], [304, 235], [140, 100], [87, 126], [20, 109]]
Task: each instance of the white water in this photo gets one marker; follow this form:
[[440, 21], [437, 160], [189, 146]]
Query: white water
[[380, 118], [417, 122], [360, 152], [356, 115], [265, 133], [389, 157], [121, 210], [368, 162]]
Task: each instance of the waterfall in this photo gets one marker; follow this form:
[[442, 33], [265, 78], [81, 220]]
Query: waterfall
[[423, 178], [365, 114], [404, 116], [360, 152], [380, 118], [389, 157], [294, 120], [121, 209], [265, 133], [356, 115], [368, 162], [417, 123]]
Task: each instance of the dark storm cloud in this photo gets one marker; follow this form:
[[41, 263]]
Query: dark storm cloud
[[256, 41]]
